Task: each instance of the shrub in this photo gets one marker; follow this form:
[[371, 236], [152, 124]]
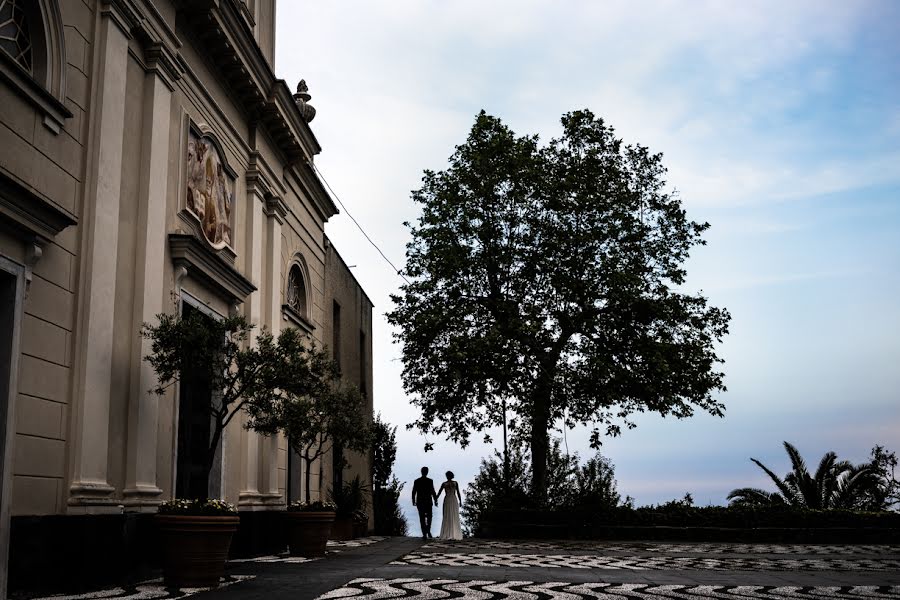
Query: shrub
[[350, 497], [386, 488], [570, 485]]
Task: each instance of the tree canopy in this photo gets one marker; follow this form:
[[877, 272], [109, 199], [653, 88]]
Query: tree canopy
[[550, 277], [241, 376], [835, 484], [313, 408]]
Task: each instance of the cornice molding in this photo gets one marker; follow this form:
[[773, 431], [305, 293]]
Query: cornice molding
[[33, 217], [222, 30], [204, 264], [312, 186]]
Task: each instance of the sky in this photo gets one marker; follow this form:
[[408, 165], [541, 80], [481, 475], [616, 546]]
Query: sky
[[779, 123]]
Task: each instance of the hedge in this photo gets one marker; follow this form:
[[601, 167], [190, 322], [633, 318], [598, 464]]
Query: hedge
[[677, 521]]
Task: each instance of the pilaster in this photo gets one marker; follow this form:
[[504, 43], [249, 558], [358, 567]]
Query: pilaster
[[276, 211], [93, 351], [250, 440], [141, 485]]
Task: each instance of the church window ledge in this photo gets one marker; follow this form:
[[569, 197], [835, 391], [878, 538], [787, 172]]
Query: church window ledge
[[55, 112], [297, 319], [32, 57], [204, 264]]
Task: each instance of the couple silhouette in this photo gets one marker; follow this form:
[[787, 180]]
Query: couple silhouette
[[422, 496]]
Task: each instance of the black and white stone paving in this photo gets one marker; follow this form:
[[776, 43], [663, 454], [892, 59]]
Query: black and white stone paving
[[435, 589], [398, 567], [355, 543], [274, 558], [332, 547], [148, 590], [654, 563], [471, 544]]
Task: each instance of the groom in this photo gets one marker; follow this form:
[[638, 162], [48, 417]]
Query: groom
[[422, 495]]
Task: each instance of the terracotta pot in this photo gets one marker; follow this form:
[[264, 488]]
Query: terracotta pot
[[308, 532], [195, 548], [360, 529], [342, 529]]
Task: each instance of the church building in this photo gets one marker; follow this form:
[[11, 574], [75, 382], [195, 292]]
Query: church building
[[150, 161]]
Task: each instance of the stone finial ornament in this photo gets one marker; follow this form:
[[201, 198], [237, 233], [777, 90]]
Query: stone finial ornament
[[301, 98]]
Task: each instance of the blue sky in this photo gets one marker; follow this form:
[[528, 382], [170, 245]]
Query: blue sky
[[780, 125]]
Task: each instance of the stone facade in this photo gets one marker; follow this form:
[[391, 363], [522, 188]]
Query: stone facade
[[149, 161]]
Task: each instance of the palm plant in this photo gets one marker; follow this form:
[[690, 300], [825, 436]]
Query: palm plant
[[835, 484]]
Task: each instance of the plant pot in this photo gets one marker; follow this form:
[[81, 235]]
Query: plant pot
[[195, 548], [360, 529], [342, 529], [308, 532]]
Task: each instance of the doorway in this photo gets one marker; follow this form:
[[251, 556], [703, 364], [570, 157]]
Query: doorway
[[11, 294], [194, 427]]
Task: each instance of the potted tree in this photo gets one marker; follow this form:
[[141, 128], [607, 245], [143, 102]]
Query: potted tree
[[351, 504], [196, 532], [314, 418]]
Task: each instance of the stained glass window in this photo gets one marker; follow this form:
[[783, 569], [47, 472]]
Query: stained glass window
[[14, 37], [296, 292]]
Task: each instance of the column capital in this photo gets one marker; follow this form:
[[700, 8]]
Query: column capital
[[163, 62], [123, 13], [276, 208], [256, 183]]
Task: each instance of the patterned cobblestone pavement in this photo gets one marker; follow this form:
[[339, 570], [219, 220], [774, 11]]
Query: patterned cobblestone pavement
[[383, 568], [371, 589], [575, 546], [653, 563]]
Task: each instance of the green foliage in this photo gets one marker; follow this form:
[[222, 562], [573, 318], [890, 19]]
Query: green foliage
[[595, 484], [241, 376], [350, 497], [581, 522], [490, 491], [836, 484], [571, 486], [283, 384], [389, 519], [318, 417], [884, 494], [550, 277], [384, 447]]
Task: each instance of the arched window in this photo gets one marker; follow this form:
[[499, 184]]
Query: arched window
[[15, 38], [33, 51], [296, 291]]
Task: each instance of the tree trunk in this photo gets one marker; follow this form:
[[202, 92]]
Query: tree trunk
[[208, 459], [308, 473], [540, 417], [540, 444]]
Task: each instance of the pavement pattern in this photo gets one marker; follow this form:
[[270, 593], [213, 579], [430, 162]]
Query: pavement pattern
[[387, 568]]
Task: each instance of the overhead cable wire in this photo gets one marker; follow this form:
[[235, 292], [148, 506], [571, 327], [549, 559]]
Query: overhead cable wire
[[355, 222]]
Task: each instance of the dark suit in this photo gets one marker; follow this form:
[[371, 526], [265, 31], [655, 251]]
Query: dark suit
[[424, 496]]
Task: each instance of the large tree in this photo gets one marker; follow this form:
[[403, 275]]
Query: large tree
[[549, 279]]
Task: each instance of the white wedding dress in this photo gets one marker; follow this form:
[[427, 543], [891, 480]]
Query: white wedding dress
[[450, 528]]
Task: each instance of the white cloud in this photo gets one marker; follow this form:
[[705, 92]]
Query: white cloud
[[726, 90]]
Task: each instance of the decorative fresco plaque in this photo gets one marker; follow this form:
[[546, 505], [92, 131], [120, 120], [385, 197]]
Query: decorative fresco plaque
[[210, 190]]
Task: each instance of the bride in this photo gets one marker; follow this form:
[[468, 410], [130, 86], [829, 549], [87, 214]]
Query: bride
[[450, 529]]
